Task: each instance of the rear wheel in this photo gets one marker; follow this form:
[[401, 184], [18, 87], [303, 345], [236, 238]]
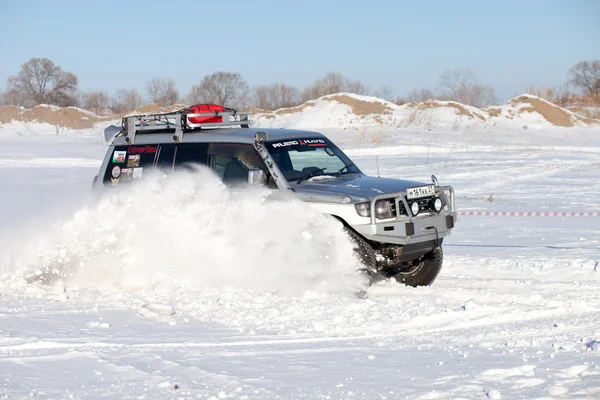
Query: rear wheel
[[423, 270]]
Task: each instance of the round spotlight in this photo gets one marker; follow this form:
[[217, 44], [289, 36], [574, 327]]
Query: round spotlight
[[437, 204], [414, 207]]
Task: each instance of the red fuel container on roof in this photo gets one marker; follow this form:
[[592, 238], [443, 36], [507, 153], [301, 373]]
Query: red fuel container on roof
[[205, 109]]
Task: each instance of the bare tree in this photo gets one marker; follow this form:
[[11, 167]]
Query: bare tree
[[332, 83], [561, 95], [418, 95], [586, 75], [225, 88], [41, 81], [96, 102], [356, 87], [11, 98], [385, 93], [126, 100], [460, 85], [162, 91], [276, 95]]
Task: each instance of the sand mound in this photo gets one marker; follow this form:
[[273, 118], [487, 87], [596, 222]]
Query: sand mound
[[459, 108], [148, 109], [9, 113], [68, 117], [294, 110], [325, 112], [552, 113], [360, 107]]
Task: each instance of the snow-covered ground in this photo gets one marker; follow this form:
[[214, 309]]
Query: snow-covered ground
[[187, 291]]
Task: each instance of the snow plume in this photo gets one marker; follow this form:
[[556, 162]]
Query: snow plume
[[186, 232]]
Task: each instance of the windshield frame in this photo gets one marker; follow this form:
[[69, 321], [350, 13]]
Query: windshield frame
[[279, 152]]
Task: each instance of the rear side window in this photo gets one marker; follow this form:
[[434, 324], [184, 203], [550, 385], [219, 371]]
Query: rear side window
[[166, 157], [127, 163], [189, 154]]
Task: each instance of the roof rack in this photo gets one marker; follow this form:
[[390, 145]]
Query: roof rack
[[179, 122]]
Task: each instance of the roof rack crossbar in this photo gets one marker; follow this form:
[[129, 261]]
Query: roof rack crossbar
[[179, 121]]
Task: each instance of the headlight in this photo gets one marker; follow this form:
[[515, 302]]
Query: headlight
[[414, 207], [437, 204], [383, 209], [363, 209]]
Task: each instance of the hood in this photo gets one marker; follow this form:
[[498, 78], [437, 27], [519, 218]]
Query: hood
[[360, 187]]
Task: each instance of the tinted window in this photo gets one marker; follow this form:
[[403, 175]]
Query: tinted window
[[188, 154], [127, 163], [166, 157], [231, 162]]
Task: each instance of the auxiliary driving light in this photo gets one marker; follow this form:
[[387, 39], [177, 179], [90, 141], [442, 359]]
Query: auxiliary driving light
[[437, 204], [414, 207]]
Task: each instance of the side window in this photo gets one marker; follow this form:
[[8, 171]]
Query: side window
[[166, 157], [189, 154], [232, 161], [127, 163]]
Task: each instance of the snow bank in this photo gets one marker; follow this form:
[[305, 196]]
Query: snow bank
[[350, 111], [532, 109], [187, 232], [68, 117], [343, 112], [46, 116]]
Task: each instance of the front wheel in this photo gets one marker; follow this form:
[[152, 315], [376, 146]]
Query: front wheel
[[365, 254], [423, 270]]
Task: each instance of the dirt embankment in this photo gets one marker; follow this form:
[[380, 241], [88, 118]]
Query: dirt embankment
[[459, 109], [68, 117], [71, 117], [361, 108], [76, 118], [552, 113]]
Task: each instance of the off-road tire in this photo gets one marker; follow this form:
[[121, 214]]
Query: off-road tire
[[365, 254], [424, 271]]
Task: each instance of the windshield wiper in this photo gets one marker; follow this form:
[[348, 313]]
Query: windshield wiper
[[346, 166], [310, 174]]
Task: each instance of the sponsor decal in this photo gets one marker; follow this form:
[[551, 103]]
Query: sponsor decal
[[143, 149], [126, 173], [133, 160], [114, 181], [116, 172], [119, 157], [285, 144], [313, 142], [301, 142], [137, 173]]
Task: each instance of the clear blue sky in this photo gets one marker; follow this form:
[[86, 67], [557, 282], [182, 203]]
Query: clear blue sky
[[405, 44]]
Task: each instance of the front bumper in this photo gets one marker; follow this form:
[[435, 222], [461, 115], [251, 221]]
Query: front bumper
[[411, 229]]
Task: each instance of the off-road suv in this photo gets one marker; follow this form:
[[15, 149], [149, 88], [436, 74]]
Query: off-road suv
[[397, 226]]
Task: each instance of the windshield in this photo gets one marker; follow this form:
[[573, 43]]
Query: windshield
[[302, 159]]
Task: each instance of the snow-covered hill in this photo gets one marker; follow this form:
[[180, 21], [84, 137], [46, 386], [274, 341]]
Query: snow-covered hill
[[350, 111], [352, 119]]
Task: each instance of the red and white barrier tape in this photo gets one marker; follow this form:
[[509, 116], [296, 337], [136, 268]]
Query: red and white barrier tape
[[528, 214]]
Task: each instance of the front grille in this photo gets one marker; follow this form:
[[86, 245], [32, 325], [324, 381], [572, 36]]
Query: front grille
[[401, 211]]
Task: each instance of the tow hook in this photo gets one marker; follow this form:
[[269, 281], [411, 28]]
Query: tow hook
[[437, 236]]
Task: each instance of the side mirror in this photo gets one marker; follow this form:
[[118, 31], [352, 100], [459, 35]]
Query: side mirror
[[257, 177]]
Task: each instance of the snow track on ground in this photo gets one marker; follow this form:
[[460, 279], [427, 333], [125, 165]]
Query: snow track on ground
[[514, 313]]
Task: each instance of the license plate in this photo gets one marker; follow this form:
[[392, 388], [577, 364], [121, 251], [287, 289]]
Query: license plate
[[421, 191]]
